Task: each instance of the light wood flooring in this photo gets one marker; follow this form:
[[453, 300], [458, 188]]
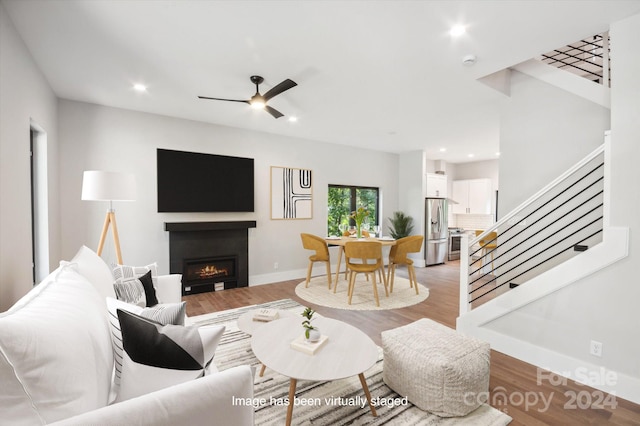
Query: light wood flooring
[[512, 383]]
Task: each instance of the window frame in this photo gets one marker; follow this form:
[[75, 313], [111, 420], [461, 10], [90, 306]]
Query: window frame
[[353, 197]]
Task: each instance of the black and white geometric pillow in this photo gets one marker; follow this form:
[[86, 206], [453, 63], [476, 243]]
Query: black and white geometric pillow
[[168, 313], [158, 356]]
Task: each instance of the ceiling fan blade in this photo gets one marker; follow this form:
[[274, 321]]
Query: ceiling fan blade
[[274, 112], [279, 88], [221, 99]]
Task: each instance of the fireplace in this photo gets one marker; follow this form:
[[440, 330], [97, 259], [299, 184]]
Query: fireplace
[[210, 256], [209, 274]]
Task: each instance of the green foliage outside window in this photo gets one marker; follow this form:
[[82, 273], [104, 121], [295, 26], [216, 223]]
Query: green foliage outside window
[[342, 200]]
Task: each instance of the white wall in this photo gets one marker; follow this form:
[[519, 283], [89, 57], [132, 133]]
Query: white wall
[[94, 137], [24, 95], [603, 307], [411, 193], [543, 131]]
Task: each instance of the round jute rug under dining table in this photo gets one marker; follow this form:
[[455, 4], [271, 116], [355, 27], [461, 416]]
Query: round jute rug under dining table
[[363, 300]]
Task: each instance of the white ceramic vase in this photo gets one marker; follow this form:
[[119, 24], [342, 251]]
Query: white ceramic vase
[[314, 335]]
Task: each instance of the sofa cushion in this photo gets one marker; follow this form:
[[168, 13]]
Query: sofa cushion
[[148, 276], [149, 290], [168, 313], [131, 291], [55, 351], [157, 356], [94, 269]]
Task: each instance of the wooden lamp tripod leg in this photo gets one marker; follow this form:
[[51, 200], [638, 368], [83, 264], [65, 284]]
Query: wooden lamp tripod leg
[[110, 218], [116, 237]]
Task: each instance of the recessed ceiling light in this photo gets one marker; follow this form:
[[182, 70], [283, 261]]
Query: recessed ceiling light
[[293, 119], [471, 155], [457, 30], [498, 154], [443, 149], [139, 87]]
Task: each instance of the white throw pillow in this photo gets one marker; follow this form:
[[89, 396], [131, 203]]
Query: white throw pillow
[[56, 359], [169, 313], [94, 269], [157, 356]]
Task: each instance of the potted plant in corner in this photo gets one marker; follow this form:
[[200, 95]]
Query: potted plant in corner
[[401, 225], [311, 333]]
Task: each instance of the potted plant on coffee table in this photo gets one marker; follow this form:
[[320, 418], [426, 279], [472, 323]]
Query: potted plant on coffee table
[[311, 333]]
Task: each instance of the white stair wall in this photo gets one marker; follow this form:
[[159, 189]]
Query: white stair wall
[[572, 83]]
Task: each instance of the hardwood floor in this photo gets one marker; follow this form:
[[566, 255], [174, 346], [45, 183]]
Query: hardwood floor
[[514, 385]]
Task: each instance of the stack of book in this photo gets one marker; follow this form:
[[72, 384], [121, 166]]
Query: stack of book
[[303, 345], [265, 315]]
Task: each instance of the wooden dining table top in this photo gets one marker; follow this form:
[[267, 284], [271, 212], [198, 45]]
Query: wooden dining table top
[[341, 241]]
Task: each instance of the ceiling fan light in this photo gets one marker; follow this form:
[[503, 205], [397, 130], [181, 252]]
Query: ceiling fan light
[[257, 102]]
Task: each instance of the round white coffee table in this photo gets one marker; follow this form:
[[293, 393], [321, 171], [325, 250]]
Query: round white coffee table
[[348, 352], [248, 325]]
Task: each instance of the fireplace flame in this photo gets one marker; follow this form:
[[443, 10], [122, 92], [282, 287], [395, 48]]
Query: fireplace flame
[[212, 271]]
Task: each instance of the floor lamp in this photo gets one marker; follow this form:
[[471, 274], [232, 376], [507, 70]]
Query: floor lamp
[[109, 186]]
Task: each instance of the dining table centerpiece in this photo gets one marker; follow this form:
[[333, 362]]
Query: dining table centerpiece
[[359, 216]]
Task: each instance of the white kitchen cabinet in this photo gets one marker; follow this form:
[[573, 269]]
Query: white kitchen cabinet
[[436, 185], [473, 196]]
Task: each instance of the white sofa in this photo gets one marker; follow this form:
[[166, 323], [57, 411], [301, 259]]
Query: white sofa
[[56, 361]]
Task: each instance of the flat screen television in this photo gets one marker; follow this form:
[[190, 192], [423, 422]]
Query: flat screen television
[[197, 182]]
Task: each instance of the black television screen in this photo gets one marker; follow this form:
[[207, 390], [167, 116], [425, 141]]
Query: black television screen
[[195, 182]]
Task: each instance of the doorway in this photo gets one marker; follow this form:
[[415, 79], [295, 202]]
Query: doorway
[[39, 203]]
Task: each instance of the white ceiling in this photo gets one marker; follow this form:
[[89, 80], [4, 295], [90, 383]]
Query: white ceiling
[[384, 75]]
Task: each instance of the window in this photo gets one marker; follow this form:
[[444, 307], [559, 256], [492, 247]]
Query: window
[[343, 199]]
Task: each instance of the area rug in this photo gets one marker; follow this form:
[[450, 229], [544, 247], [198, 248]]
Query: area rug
[[362, 300], [329, 401]]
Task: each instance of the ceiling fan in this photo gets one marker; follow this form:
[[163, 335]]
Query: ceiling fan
[[259, 101]]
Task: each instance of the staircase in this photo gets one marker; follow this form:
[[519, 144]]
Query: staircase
[[532, 289], [581, 68], [557, 229], [556, 238], [561, 221]]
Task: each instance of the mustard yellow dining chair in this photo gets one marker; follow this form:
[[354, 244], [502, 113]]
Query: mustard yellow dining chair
[[398, 256], [358, 254], [488, 245], [319, 245]]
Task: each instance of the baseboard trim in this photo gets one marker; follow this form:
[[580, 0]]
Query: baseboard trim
[[614, 247], [596, 376]]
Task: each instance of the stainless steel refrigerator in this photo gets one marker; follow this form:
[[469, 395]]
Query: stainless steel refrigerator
[[436, 229]]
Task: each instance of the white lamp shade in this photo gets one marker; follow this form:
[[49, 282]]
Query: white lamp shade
[[108, 186]]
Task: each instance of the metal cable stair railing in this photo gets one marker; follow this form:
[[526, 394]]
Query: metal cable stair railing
[[588, 58], [557, 223]]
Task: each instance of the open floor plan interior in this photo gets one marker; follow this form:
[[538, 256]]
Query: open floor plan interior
[[235, 127]]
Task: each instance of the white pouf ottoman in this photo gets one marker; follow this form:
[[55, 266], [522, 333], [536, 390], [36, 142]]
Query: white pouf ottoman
[[438, 369]]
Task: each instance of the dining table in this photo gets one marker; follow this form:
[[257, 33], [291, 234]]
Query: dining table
[[341, 241]]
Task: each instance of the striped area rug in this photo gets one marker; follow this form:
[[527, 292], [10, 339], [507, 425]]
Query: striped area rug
[[328, 403]]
